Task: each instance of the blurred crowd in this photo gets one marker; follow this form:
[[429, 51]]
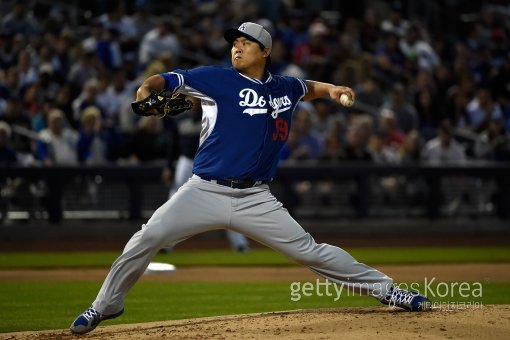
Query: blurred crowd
[[432, 78]]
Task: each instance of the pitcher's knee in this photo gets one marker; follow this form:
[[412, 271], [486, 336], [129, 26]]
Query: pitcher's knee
[[306, 251], [317, 255], [153, 236]]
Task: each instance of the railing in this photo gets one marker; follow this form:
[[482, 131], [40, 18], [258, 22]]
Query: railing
[[364, 179], [432, 176]]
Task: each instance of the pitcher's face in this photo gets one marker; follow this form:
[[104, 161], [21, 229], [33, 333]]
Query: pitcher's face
[[246, 54]]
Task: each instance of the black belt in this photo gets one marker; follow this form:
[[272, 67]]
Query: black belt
[[237, 183]]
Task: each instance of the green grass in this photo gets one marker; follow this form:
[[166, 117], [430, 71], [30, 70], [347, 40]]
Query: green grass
[[53, 305], [29, 305], [260, 257]]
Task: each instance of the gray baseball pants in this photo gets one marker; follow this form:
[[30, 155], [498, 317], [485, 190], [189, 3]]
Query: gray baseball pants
[[183, 171], [200, 206]]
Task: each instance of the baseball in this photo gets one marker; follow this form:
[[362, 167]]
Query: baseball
[[345, 100]]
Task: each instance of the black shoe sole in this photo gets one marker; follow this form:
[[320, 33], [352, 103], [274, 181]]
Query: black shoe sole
[[112, 316]]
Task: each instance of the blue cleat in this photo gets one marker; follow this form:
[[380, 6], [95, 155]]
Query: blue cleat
[[408, 300], [89, 320]]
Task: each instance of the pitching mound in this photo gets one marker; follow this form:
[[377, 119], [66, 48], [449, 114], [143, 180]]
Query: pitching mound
[[487, 322]]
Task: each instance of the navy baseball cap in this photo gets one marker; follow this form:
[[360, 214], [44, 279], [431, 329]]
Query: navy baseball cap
[[252, 31]]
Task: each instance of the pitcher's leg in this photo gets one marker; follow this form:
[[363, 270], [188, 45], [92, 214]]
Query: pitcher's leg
[[337, 265], [238, 242], [125, 272], [269, 223], [190, 211], [183, 171]]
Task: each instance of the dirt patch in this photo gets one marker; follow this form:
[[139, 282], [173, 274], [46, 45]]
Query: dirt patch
[[487, 322], [485, 272]]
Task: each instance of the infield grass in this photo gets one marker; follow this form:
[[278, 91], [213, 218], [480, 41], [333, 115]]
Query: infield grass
[[31, 305], [54, 305]]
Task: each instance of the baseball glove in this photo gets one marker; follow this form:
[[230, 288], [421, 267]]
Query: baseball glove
[[157, 104]]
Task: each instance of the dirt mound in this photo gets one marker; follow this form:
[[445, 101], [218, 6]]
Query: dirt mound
[[454, 322]]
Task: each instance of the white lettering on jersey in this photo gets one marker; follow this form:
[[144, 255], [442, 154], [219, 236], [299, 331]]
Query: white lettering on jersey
[[279, 104], [256, 105], [252, 100]]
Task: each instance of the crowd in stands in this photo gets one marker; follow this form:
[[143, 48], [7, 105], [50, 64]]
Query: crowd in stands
[[432, 80]]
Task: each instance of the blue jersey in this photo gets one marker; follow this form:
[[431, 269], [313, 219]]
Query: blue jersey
[[245, 121]]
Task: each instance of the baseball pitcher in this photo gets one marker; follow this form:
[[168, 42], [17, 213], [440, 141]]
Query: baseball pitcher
[[247, 114]]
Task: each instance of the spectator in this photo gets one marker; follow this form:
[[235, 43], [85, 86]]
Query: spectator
[[411, 150], [16, 116], [405, 113], [348, 38], [389, 61], [313, 55], [46, 80], [32, 99], [281, 62], [456, 110], [333, 148], [304, 141], [88, 97], [147, 143], [96, 34], [429, 114], [391, 137], [127, 120], [108, 49], [325, 117], [91, 145], [356, 147], [57, 57], [156, 41], [117, 90], [117, 20], [368, 92], [46, 60], [20, 20], [442, 80], [40, 119], [395, 23], [493, 143], [63, 102], [196, 48], [143, 20], [57, 144], [27, 72], [7, 153], [482, 109], [10, 85], [62, 55], [8, 49], [505, 107], [369, 30], [417, 50], [87, 66], [8, 185], [444, 148]]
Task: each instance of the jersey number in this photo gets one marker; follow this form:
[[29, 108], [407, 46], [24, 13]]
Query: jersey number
[[281, 129]]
